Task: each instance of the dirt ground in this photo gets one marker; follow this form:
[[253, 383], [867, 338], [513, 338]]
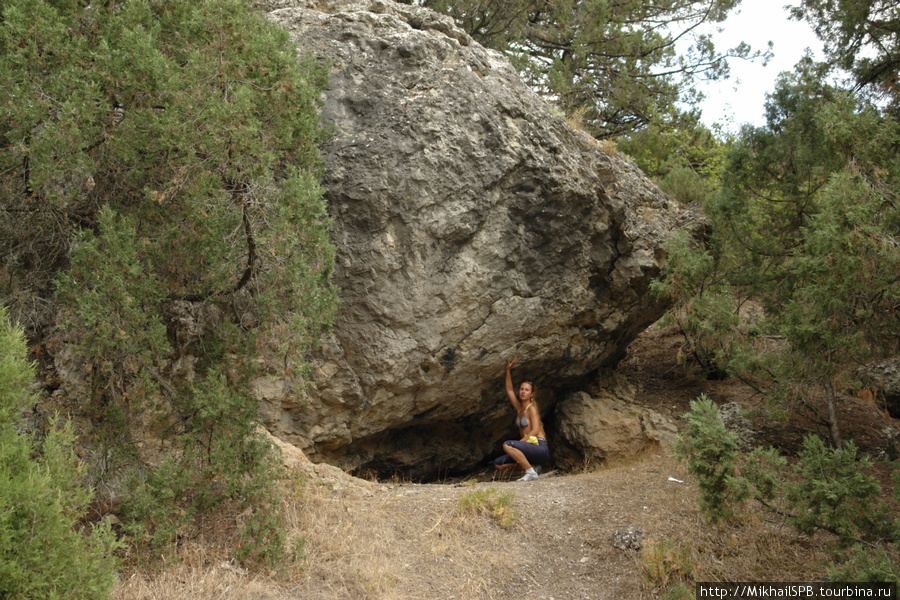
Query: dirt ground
[[494, 538]]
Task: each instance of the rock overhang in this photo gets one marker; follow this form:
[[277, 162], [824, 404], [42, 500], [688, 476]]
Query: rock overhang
[[472, 225]]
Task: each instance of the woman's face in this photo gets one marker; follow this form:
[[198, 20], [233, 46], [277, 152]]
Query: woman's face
[[525, 391]]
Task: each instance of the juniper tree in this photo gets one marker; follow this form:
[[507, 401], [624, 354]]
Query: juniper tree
[[712, 454], [806, 224], [43, 552], [810, 209], [160, 159]]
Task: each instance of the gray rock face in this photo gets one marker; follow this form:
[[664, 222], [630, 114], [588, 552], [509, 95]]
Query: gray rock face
[[884, 377], [472, 225], [734, 421]]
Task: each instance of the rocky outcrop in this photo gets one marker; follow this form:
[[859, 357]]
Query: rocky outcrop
[[884, 379], [605, 425], [472, 225], [733, 418]]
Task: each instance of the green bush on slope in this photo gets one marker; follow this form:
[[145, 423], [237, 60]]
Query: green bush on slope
[[44, 553]]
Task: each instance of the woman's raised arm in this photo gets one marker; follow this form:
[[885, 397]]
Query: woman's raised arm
[[510, 390]]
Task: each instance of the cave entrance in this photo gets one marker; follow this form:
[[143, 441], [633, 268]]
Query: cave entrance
[[466, 451]]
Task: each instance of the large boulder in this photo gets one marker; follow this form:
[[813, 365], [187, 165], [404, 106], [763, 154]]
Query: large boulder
[[604, 424], [473, 224]]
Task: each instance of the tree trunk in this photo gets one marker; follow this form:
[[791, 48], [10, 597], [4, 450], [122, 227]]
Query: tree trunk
[[832, 415]]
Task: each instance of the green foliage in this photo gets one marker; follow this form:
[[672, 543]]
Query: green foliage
[[44, 553], [830, 490], [711, 453], [686, 160], [679, 591], [197, 121], [112, 301], [811, 202], [683, 155], [668, 564], [861, 37], [159, 166], [797, 285], [725, 477], [705, 308], [222, 462], [760, 473], [17, 373], [865, 564], [834, 492], [805, 227], [615, 61], [771, 180], [489, 502]]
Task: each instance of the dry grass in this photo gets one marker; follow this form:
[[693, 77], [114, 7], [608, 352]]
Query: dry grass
[[759, 549], [354, 540], [399, 541], [576, 121], [402, 541]]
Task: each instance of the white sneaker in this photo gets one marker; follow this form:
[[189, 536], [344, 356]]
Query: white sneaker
[[528, 477]]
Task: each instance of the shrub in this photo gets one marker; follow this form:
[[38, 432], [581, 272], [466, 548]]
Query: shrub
[[679, 591], [222, 464], [833, 492], [489, 502], [711, 453], [668, 564], [43, 553], [865, 564]]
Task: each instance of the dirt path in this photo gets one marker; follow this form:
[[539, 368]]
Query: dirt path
[[559, 543], [411, 541], [551, 540]]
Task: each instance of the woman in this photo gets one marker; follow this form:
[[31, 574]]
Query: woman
[[532, 448]]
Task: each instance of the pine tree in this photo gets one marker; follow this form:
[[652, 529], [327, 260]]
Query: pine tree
[[863, 38], [613, 64]]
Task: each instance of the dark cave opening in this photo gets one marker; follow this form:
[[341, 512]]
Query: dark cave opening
[[466, 450]]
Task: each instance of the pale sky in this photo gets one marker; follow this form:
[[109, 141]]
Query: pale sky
[[740, 98]]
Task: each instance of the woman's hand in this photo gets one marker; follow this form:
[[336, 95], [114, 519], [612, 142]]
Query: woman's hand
[[509, 364]]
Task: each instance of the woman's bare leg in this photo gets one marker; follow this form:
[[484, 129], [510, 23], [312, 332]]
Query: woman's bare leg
[[517, 456]]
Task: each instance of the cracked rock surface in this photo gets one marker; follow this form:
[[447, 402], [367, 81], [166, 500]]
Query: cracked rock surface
[[472, 225]]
